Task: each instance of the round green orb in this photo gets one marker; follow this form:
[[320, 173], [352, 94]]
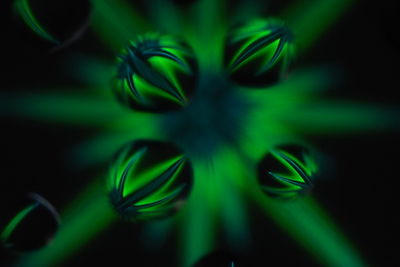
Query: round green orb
[[287, 171], [149, 179], [155, 74], [258, 53]]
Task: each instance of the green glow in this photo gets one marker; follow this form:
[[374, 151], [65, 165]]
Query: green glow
[[15, 221], [116, 22], [87, 110], [340, 117], [302, 19], [101, 148], [206, 33], [87, 216], [25, 11], [233, 214], [280, 114], [166, 16], [198, 216], [305, 221]]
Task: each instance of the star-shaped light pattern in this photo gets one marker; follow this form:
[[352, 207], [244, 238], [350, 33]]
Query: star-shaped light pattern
[[225, 130]]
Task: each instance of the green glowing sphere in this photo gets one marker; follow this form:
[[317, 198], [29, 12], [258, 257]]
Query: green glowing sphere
[[155, 74], [149, 179], [32, 227], [287, 171], [258, 53]]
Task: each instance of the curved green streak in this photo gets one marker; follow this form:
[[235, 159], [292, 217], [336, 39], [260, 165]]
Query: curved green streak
[[87, 216], [25, 11], [15, 221]]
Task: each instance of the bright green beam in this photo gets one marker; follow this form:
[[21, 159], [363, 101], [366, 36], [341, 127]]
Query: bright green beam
[[208, 28], [117, 22], [308, 224], [340, 117], [309, 20], [229, 171], [62, 108], [101, 148], [97, 73], [167, 17], [302, 219], [87, 216], [301, 87], [198, 217], [24, 10]]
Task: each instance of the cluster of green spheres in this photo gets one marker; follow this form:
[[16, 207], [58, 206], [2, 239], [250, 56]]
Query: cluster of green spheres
[[159, 74]]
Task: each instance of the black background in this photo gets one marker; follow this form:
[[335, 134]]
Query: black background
[[362, 196]]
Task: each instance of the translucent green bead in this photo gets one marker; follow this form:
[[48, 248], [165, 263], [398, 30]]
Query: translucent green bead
[[149, 179], [287, 171], [258, 53], [32, 226], [155, 74]]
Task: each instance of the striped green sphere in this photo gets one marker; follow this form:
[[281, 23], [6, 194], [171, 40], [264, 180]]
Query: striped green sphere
[[258, 53], [149, 180], [155, 74], [287, 172]]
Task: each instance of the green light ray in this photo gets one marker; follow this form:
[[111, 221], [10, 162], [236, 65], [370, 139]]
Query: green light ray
[[116, 22], [305, 222], [77, 229], [166, 17], [101, 148], [247, 10], [313, 229], [229, 171], [302, 17], [198, 217], [95, 72], [15, 221], [208, 26], [341, 117], [63, 108], [25, 11]]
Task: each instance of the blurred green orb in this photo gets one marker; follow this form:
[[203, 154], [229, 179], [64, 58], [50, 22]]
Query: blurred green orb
[[287, 171], [258, 53], [149, 179], [155, 74]]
